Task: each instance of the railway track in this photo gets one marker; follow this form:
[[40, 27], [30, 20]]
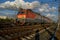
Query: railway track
[[43, 34], [19, 32], [13, 33]]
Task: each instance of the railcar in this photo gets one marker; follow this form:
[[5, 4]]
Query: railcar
[[28, 17]]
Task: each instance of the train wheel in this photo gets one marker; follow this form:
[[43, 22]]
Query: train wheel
[[26, 23], [32, 23], [35, 23], [29, 24], [22, 23]]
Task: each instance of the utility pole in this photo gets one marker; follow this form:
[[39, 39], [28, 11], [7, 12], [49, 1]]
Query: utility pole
[[58, 15]]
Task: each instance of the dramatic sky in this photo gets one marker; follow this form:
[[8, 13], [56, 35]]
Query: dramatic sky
[[48, 8]]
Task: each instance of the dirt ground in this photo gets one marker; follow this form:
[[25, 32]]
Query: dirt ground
[[58, 34]]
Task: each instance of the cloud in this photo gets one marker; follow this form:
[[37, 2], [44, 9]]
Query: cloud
[[52, 9], [27, 5], [47, 8], [52, 16], [20, 3]]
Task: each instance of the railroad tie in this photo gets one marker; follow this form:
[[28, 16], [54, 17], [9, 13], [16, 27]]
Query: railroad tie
[[2, 38], [23, 39], [27, 37], [7, 37], [31, 36]]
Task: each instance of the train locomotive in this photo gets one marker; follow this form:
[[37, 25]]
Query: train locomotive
[[28, 17]]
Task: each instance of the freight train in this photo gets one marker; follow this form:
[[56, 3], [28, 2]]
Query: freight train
[[28, 17]]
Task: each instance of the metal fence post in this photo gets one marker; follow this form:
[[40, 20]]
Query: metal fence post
[[37, 35]]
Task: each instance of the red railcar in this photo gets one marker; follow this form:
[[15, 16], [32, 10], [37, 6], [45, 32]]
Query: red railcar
[[27, 16]]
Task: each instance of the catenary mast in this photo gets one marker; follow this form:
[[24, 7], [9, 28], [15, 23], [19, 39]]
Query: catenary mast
[[58, 14]]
